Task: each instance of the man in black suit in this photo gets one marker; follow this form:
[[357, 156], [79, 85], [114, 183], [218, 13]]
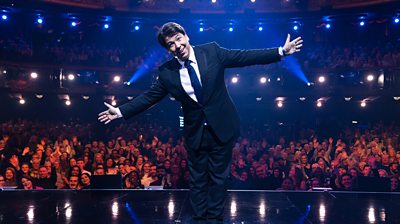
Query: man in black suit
[[195, 77]]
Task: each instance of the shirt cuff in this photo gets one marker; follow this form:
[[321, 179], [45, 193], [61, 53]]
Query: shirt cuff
[[280, 49], [119, 114]]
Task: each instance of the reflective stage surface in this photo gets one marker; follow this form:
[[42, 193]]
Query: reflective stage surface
[[131, 206]]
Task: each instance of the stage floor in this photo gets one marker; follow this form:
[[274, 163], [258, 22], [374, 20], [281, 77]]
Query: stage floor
[[150, 206]]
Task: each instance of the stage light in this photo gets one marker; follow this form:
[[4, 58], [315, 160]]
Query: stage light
[[213, 1], [319, 103], [371, 215], [129, 97], [279, 104], [39, 20], [137, 27], [258, 98], [381, 79], [114, 103], [73, 24], [370, 78], [397, 98], [22, 101], [252, 1], [71, 77], [235, 79], [328, 26], [230, 29], [363, 104], [68, 102], [85, 97], [34, 75], [106, 26], [39, 96], [68, 213], [362, 23], [348, 98], [181, 1], [396, 20], [309, 83], [302, 98], [233, 208], [354, 122], [321, 79], [4, 17], [201, 29], [4, 71], [278, 79], [260, 28], [263, 80], [117, 78], [114, 209], [30, 213], [322, 213], [295, 27], [262, 210]]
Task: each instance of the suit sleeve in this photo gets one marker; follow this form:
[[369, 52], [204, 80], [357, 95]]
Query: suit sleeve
[[231, 58], [144, 101]]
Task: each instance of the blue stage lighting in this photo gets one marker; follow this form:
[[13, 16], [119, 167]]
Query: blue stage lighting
[[362, 23], [40, 20], [328, 26], [4, 17], [396, 20], [295, 27], [73, 24], [106, 26], [260, 28], [201, 29], [137, 27], [230, 29]]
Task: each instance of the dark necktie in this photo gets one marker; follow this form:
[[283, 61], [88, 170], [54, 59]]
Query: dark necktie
[[194, 81]]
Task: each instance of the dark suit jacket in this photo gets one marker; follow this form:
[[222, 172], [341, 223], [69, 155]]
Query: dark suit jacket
[[217, 107]]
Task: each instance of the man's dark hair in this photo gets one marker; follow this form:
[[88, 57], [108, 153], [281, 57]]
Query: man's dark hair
[[167, 30]]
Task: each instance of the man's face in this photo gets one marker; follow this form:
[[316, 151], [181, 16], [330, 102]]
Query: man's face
[[100, 171], [73, 182], [160, 172], [43, 172], [81, 164], [178, 45], [25, 168], [346, 181], [153, 171]]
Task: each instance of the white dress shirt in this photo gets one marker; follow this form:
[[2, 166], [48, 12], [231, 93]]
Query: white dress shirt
[[185, 79]]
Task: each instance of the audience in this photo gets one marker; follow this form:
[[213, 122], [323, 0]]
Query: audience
[[151, 155]]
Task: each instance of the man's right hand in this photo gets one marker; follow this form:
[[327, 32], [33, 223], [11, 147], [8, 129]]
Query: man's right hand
[[108, 115]]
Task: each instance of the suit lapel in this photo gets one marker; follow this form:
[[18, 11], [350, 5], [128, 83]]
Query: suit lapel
[[202, 64]]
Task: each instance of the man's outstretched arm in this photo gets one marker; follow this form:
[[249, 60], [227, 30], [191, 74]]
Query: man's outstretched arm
[[239, 58], [141, 103]]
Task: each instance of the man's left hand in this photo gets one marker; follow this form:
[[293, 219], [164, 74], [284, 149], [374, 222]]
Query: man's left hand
[[293, 46]]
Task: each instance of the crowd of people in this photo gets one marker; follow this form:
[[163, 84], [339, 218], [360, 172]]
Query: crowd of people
[[56, 155]]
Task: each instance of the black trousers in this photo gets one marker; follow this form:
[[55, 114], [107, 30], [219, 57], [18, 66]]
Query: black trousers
[[209, 168]]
